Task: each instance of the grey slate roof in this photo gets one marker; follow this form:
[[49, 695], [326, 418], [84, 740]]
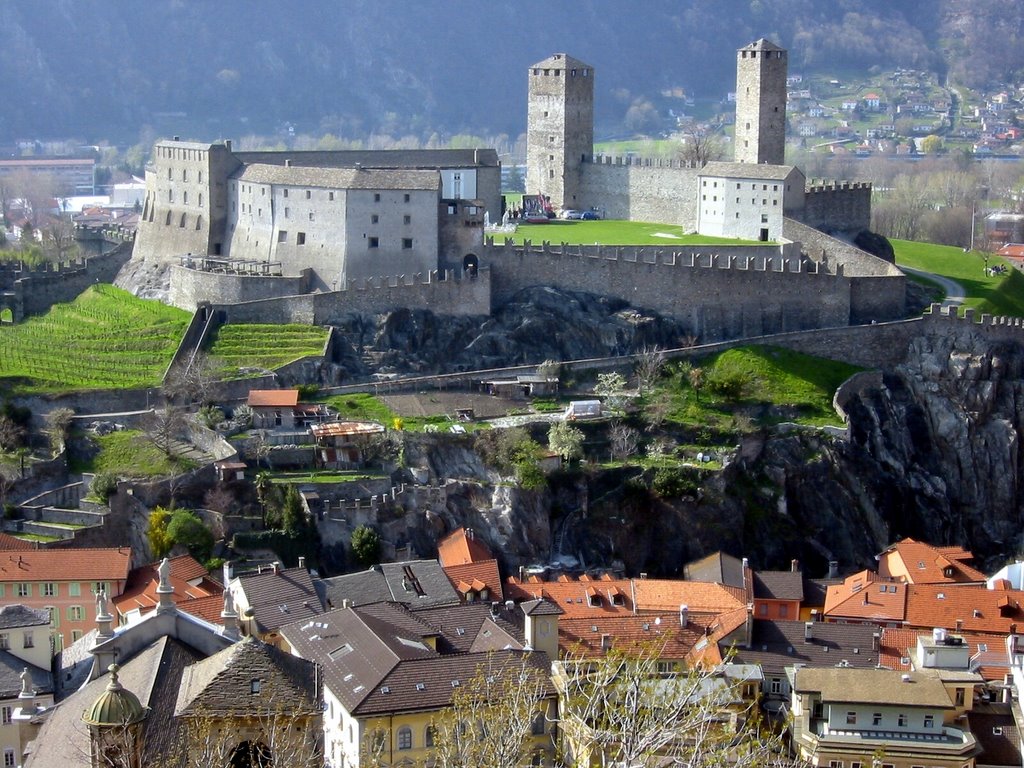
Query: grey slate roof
[[463, 627], [18, 615], [281, 598], [416, 583], [761, 44], [997, 734], [716, 568], [10, 676], [426, 684], [540, 607], [222, 683], [815, 589], [780, 644], [749, 171], [560, 61], [153, 675], [423, 159], [779, 585], [339, 178]]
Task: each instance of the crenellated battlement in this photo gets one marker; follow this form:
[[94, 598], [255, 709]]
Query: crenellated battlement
[[834, 185], [644, 162], [949, 317], [403, 281], [746, 258]]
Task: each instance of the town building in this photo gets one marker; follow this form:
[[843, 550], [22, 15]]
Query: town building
[[64, 582], [272, 597], [26, 682], [914, 562], [68, 175]]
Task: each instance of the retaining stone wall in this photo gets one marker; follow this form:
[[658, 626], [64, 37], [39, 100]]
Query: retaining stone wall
[[721, 292]]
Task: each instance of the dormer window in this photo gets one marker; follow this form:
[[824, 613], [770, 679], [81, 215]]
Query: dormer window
[[254, 686]]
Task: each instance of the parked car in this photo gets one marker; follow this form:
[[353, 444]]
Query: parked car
[[590, 215], [569, 213]]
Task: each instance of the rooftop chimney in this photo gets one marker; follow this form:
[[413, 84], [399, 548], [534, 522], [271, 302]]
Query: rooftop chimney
[[684, 612], [815, 615], [876, 641], [833, 569], [227, 143], [287, 162], [275, 567], [808, 631], [302, 561], [229, 617], [177, 138], [794, 566], [959, 625]]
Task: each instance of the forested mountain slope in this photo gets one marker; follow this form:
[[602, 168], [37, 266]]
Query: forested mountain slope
[[106, 68]]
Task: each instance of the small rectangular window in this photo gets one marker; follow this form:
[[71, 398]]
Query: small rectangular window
[[49, 589], [376, 197], [851, 718], [282, 236], [374, 218], [901, 721], [28, 640], [407, 197], [407, 219], [876, 718], [406, 243], [330, 196], [286, 193], [311, 218], [23, 589], [309, 194], [373, 242], [300, 238], [74, 589], [8, 714]]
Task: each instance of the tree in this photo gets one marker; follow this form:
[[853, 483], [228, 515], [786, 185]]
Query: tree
[[610, 388], [193, 381], [549, 369], [648, 366], [163, 425], [565, 440], [700, 146], [187, 530], [931, 144], [12, 434], [160, 541], [491, 719], [366, 545], [293, 514], [58, 427], [621, 709], [264, 482], [59, 242], [624, 439]]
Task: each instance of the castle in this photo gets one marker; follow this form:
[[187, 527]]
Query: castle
[[312, 236]]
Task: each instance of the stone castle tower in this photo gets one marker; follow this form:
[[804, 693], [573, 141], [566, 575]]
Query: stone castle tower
[[761, 104], [560, 128]]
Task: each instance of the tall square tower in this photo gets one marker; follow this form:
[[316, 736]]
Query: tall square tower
[[761, 103], [559, 129]]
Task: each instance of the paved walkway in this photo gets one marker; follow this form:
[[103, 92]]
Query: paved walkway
[[954, 291]]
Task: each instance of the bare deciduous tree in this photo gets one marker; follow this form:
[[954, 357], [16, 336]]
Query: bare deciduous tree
[[491, 720], [700, 146], [622, 709], [163, 426], [648, 366], [193, 380], [624, 440]]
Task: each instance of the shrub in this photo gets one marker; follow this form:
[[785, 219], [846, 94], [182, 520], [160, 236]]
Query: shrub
[[308, 391], [673, 482], [366, 544], [104, 485], [185, 528], [211, 416]]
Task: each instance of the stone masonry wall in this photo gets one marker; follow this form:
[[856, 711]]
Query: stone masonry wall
[[465, 296], [838, 206], [640, 189], [189, 287], [38, 291], [721, 292]]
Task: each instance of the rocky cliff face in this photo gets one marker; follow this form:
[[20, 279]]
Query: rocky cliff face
[[933, 453]]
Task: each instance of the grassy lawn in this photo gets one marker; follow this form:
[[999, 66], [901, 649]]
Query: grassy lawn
[[131, 454], [361, 406], [774, 385], [263, 346], [104, 339], [995, 294], [613, 232], [322, 476], [667, 148]]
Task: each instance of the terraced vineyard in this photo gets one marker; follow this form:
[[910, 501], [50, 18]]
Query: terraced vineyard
[[258, 346], [104, 339]]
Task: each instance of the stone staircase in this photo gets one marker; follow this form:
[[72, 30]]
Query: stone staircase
[[59, 514]]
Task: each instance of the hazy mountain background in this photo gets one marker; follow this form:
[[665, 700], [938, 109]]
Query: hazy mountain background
[[127, 71]]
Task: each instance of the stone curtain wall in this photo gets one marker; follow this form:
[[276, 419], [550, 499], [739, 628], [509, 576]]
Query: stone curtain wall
[[724, 292], [470, 297], [641, 189], [190, 287], [38, 291], [838, 206]]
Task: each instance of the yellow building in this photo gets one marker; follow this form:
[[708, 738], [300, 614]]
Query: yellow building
[[393, 678]]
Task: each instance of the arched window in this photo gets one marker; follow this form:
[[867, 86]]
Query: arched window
[[405, 737], [182, 224], [199, 223], [428, 736]]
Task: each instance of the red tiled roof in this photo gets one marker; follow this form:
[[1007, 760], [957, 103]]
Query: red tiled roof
[[476, 576], [868, 597], [571, 596], [701, 597], [8, 542], [273, 398], [65, 565], [584, 636], [1012, 250], [978, 609], [925, 564], [140, 588], [460, 547]]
